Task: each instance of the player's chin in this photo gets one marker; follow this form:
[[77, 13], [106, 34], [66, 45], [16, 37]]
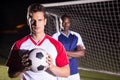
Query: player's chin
[[35, 32]]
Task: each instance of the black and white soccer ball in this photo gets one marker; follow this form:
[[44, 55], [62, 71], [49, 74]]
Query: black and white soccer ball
[[37, 58]]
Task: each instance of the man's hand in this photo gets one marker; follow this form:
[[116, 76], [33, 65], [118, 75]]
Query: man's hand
[[26, 62]]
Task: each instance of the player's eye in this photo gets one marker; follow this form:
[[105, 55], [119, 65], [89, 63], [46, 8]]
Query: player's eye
[[33, 22]]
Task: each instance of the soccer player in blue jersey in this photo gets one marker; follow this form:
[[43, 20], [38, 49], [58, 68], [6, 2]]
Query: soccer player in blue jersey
[[74, 46]]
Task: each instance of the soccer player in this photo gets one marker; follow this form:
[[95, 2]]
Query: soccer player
[[18, 62], [74, 46]]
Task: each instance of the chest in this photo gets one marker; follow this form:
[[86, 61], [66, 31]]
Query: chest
[[46, 45], [69, 42]]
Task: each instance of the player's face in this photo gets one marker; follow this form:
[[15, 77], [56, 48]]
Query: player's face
[[66, 23], [38, 22]]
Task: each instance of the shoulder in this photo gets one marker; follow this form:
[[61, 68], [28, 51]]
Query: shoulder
[[56, 34], [22, 40], [19, 42], [53, 40], [75, 33]]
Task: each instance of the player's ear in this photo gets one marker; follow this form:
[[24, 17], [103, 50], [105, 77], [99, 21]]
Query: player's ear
[[61, 24], [29, 21], [45, 21]]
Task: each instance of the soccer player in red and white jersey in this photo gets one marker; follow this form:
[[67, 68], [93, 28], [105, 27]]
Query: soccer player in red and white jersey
[[18, 63]]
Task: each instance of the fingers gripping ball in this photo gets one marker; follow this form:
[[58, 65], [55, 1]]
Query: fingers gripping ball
[[38, 60]]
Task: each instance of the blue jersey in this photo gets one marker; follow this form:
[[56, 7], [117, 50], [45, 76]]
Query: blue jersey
[[70, 43]]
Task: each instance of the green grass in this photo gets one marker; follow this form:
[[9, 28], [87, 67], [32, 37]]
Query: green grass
[[2, 61], [89, 75], [85, 75], [4, 75], [3, 70]]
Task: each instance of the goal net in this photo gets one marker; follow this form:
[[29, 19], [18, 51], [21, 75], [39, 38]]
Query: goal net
[[98, 22]]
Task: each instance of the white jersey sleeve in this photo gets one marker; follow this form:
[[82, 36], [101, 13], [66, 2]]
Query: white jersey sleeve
[[55, 35], [80, 42]]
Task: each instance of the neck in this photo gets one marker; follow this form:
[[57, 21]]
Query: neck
[[66, 32], [37, 37]]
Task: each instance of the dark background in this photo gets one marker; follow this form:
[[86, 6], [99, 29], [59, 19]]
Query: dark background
[[98, 24], [13, 13]]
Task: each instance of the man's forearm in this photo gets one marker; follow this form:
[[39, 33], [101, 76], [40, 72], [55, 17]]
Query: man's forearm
[[14, 74]]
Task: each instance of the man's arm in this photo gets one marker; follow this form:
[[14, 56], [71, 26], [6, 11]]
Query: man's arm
[[16, 66], [63, 71], [14, 73], [79, 52], [60, 71]]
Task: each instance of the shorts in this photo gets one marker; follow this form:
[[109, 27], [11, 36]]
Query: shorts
[[71, 77]]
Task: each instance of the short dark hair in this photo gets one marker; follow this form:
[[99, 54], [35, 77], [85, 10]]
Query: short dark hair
[[65, 16], [35, 7]]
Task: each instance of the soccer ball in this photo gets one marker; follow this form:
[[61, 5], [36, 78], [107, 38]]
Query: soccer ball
[[37, 58]]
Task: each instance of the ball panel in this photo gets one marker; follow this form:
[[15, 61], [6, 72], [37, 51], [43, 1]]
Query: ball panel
[[39, 55], [41, 67], [38, 60]]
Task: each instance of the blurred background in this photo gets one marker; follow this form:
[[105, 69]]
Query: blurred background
[[13, 22], [97, 21]]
